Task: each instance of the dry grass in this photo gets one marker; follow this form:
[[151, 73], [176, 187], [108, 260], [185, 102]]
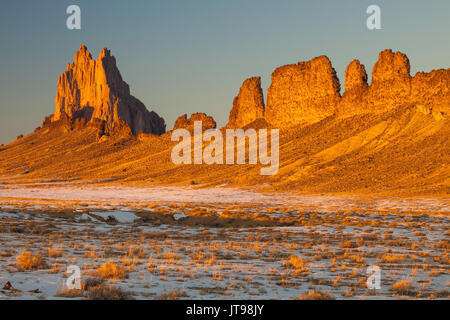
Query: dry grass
[[403, 287], [105, 292], [69, 293], [317, 295], [172, 295], [55, 252], [27, 261], [111, 270]]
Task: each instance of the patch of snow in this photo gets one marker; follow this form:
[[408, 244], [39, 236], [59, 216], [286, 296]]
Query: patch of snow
[[120, 216], [179, 216]]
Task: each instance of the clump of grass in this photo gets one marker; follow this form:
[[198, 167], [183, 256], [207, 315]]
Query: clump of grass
[[403, 287], [55, 252], [297, 264], [172, 295], [110, 270], [390, 258], [105, 292], [69, 293], [317, 295], [92, 282], [27, 261]]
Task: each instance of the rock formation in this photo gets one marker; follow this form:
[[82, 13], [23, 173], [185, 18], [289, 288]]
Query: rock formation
[[432, 90], [356, 89], [391, 82], [248, 105], [393, 86], [188, 123], [93, 91], [306, 92]]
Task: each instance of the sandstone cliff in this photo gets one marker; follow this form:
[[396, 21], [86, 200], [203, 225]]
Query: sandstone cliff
[[392, 86], [306, 92], [248, 105], [93, 91], [391, 82]]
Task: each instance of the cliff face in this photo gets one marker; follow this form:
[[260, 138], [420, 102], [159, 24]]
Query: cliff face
[[356, 90], [391, 82], [92, 90], [248, 105], [308, 92], [392, 86], [305, 92], [432, 90]]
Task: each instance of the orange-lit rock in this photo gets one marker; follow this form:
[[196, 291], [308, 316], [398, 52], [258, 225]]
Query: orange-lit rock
[[248, 105], [356, 89], [188, 123], [391, 82], [306, 92], [432, 90], [93, 90]]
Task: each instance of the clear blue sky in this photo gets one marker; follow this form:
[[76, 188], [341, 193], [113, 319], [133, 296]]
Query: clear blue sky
[[192, 55]]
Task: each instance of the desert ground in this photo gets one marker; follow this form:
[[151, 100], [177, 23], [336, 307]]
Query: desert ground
[[218, 243]]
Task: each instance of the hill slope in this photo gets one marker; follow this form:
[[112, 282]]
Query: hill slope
[[401, 152]]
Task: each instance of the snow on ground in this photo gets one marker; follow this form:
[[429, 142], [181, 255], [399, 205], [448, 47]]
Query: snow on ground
[[120, 216], [114, 194], [224, 243]]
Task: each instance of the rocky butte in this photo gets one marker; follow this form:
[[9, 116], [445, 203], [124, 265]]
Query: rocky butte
[[302, 93], [93, 92], [308, 92], [248, 105]]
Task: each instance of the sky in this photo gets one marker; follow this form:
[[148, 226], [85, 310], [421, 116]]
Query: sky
[[191, 56]]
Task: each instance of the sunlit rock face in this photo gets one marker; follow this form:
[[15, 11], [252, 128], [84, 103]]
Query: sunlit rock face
[[93, 90], [392, 86], [306, 92], [248, 105]]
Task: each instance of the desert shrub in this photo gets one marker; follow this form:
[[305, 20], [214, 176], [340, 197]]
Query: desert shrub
[[55, 252], [172, 295], [110, 270], [69, 293], [27, 261], [105, 292], [403, 287], [317, 295], [296, 263], [92, 282], [390, 258]]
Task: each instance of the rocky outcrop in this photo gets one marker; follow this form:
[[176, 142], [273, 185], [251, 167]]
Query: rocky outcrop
[[355, 78], [392, 86], [248, 105], [93, 91], [432, 90], [356, 89], [188, 123], [306, 92], [391, 82]]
